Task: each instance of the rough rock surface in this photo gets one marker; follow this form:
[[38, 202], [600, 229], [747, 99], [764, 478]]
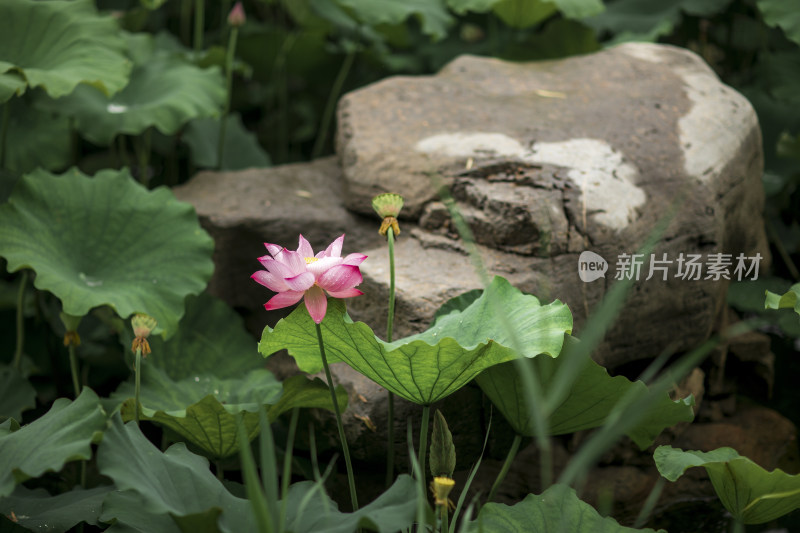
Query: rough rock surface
[[550, 159]]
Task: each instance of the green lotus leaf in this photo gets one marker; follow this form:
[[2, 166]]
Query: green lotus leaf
[[16, 393], [301, 392], [8, 426], [65, 433], [202, 409], [241, 146], [433, 16], [176, 482], [588, 402], [788, 300], [164, 92], [394, 510], [37, 510], [211, 340], [556, 510], [180, 484], [73, 45], [36, 139], [750, 493], [782, 13], [198, 381], [129, 514], [427, 367], [11, 83], [106, 241]]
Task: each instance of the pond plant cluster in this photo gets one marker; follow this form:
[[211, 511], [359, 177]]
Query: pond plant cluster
[[132, 400]]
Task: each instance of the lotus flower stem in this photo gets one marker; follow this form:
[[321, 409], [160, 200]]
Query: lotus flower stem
[[287, 466], [423, 443], [138, 383], [389, 334], [73, 366], [229, 57], [20, 321], [342, 438], [512, 453], [330, 105], [445, 516], [199, 23]]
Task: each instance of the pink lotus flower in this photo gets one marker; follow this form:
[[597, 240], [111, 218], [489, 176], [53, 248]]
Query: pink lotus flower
[[301, 274]]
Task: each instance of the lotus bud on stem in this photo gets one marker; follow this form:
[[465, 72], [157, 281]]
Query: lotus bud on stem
[[388, 206], [143, 325], [72, 340], [236, 18]]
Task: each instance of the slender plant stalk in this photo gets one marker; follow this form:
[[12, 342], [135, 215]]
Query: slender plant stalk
[[287, 466], [444, 526], [423, 444], [138, 383], [186, 24], [250, 476], [738, 526], [649, 503], [143, 152], [73, 366], [390, 394], [229, 56], [330, 105], [342, 438], [20, 321], [4, 134], [199, 14], [512, 453]]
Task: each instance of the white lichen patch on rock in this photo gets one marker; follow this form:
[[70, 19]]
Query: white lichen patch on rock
[[715, 108], [718, 108], [607, 182]]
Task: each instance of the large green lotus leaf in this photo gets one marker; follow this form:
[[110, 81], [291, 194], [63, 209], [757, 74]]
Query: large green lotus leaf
[[65, 433], [211, 340], [556, 510], [645, 20], [37, 510], [36, 139], [750, 493], [589, 400], [129, 514], [241, 146], [784, 14], [165, 92], [203, 408], [106, 241], [16, 393], [433, 16], [72, 45], [427, 367], [393, 510], [176, 482]]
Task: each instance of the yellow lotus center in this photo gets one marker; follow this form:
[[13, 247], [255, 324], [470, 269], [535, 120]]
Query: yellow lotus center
[[310, 260]]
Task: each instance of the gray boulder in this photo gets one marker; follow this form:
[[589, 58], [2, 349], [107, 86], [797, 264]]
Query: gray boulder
[[547, 160]]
